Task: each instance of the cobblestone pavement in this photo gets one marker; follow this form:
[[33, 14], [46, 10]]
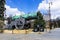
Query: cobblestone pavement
[[53, 35]]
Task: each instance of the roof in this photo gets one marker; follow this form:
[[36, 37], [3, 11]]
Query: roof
[[15, 17], [25, 15]]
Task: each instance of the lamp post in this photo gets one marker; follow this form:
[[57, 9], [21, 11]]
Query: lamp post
[[50, 15]]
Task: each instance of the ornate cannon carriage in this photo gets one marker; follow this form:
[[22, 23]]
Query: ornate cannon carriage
[[21, 22]]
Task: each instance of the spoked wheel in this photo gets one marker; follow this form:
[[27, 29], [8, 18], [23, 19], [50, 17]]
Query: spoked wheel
[[36, 29], [41, 29], [21, 23], [13, 27], [27, 26]]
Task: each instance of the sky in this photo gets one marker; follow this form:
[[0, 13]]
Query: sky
[[55, 7], [24, 5], [20, 7], [15, 7]]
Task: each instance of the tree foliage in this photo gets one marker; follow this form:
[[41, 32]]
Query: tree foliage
[[58, 23], [1, 24], [2, 9], [39, 20]]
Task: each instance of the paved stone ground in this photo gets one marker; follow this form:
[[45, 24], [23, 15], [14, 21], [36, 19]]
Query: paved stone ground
[[53, 35]]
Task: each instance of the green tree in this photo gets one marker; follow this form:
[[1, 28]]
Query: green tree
[[2, 9], [39, 20]]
